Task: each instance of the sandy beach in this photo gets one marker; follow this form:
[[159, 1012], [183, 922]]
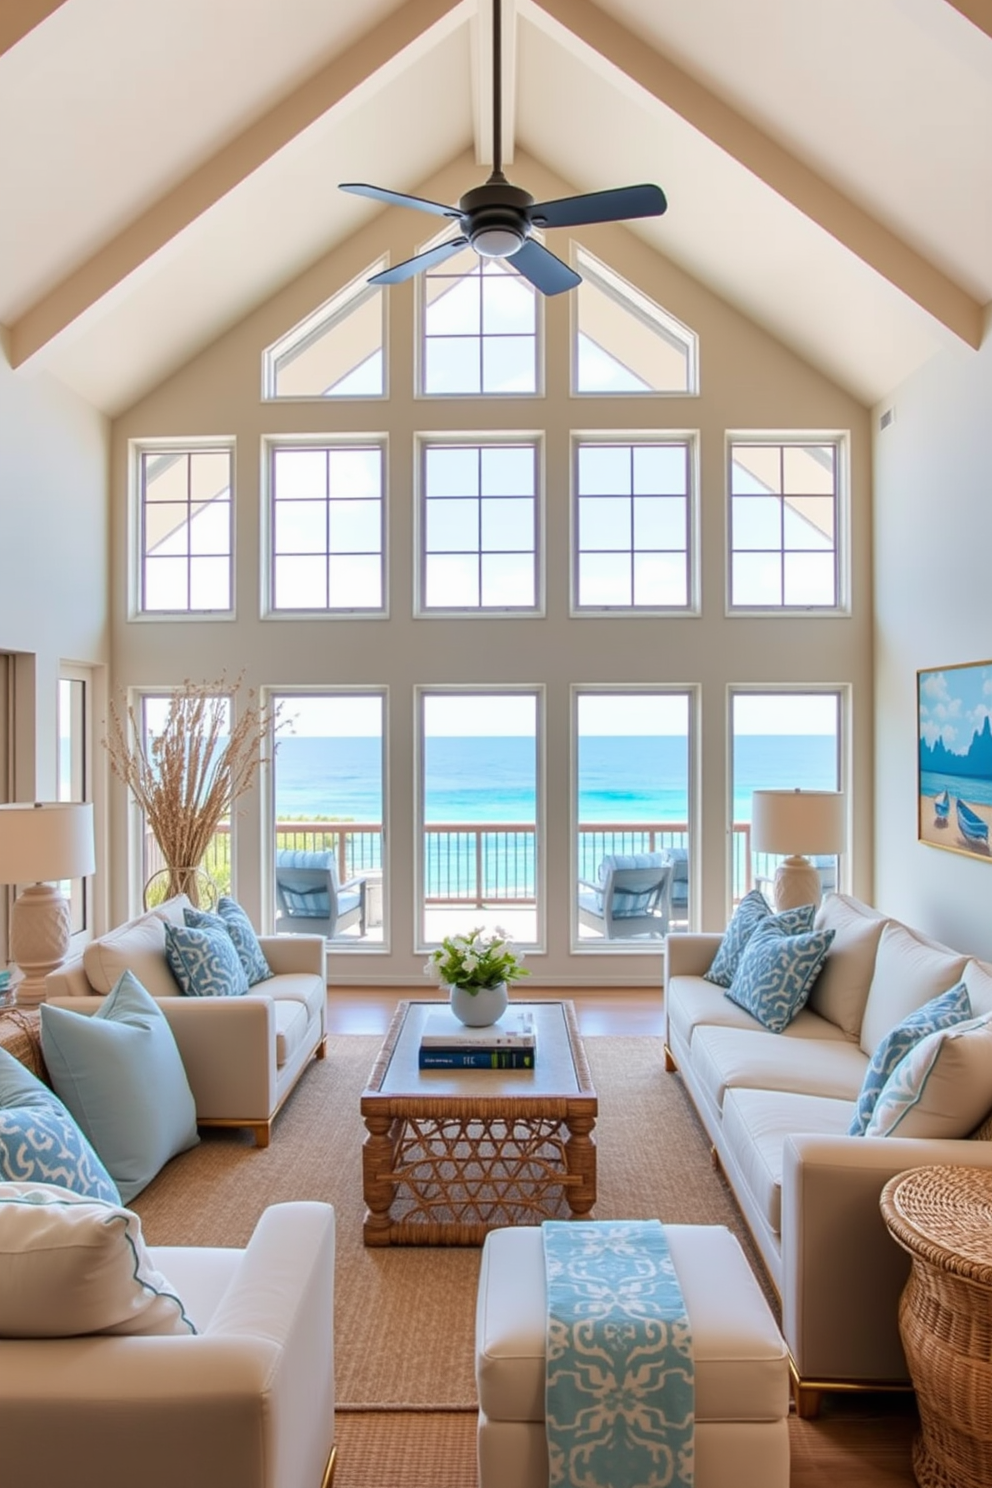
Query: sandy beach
[[947, 834]]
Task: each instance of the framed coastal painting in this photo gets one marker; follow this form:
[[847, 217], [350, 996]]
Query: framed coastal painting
[[955, 757]]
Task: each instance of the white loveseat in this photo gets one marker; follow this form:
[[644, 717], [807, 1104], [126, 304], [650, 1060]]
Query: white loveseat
[[777, 1107], [242, 1055]]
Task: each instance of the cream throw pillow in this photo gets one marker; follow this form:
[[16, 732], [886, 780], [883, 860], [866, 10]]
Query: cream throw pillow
[[71, 1264], [941, 1088], [840, 992], [138, 947]]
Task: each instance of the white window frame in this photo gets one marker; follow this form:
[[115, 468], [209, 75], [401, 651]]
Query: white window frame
[[688, 437], [315, 325], [643, 307], [273, 443], [840, 440], [478, 440], [537, 690], [137, 448]]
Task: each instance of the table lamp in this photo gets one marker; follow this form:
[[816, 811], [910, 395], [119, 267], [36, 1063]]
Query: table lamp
[[796, 823], [42, 843]]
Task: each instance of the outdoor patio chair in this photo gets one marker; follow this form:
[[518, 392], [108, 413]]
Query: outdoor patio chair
[[309, 898], [631, 898]]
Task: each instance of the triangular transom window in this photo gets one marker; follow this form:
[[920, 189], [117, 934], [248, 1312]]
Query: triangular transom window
[[624, 342], [336, 352]]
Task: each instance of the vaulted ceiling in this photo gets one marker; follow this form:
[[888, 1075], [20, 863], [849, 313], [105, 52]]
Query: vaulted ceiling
[[168, 164]]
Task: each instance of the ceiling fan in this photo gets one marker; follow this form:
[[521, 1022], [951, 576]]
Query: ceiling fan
[[497, 219]]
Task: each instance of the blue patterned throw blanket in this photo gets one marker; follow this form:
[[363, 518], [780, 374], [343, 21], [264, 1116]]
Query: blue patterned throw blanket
[[620, 1391]]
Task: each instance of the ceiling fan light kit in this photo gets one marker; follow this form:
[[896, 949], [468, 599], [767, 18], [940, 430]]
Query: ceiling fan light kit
[[497, 218]]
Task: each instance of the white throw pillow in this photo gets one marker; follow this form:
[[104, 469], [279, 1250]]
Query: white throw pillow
[[840, 992], [941, 1088], [71, 1264], [139, 947]]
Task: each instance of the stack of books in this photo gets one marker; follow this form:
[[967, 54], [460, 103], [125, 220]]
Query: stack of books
[[509, 1044]]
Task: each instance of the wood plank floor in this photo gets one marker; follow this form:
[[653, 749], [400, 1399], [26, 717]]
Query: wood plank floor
[[857, 1441]]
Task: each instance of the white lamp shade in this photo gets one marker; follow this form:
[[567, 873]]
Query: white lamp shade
[[797, 822], [45, 841]]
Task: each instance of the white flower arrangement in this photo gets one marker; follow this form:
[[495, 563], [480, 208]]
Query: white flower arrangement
[[476, 960]]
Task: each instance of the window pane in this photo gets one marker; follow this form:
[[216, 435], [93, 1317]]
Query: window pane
[[451, 471], [355, 527], [626, 342], [604, 522], [327, 501], [660, 470], [452, 366], [659, 522], [660, 579], [757, 522], [354, 473], [633, 799], [452, 582], [186, 509], [604, 470], [209, 584], [72, 779], [790, 529], [509, 525], [508, 305], [479, 813], [452, 526], [210, 529], [507, 580], [809, 579], [502, 522], [301, 527], [355, 582], [604, 579], [455, 310], [809, 522], [756, 579], [508, 365], [328, 794], [300, 475], [300, 583], [507, 470], [334, 352], [166, 584]]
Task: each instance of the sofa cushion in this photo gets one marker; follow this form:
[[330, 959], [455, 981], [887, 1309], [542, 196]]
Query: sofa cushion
[[71, 1265], [40, 1142], [840, 992], [941, 1088], [204, 962], [120, 1075], [752, 911], [755, 1126], [691, 1002], [298, 986], [909, 971], [728, 1058], [940, 1012], [291, 1025], [776, 972], [138, 946]]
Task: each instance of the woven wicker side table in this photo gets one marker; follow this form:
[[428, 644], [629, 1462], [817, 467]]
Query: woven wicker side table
[[943, 1217]]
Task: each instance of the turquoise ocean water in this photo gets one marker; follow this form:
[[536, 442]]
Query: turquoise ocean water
[[634, 779]]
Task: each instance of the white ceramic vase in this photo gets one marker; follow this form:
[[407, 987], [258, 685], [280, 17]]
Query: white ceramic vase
[[478, 1008]]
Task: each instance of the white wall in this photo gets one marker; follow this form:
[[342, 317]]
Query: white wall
[[749, 382], [54, 547], [933, 602]]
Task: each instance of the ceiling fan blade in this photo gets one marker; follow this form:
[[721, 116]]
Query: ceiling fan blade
[[546, 272], [600, 206], [397, 198], [411, 266]]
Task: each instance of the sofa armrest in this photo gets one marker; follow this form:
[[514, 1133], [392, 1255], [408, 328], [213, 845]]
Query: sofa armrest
[[294, 953], [689, 955], [228, 1049], [842, 1273], [69, 980], [246, 1404]]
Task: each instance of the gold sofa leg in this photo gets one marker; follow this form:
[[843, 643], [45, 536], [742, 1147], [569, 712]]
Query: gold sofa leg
[[322, 1048], [670, 1066], [328, 1477], [807, 1401], [262, 1131]]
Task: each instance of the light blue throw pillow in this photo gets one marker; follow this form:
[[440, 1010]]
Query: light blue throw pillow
[[242, 932], [120, 1074], [753, 911], [40, 1142], [204, 962], [776, 973], [940, 1012]]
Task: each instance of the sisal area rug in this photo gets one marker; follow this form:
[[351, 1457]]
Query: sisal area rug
[[404, 1325]]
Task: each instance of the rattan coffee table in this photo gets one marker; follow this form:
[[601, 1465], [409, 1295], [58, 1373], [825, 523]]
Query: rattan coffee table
[[452, 1154]]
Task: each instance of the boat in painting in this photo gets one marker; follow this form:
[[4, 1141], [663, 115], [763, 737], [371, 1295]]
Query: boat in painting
[[942, 806], [970, 825]]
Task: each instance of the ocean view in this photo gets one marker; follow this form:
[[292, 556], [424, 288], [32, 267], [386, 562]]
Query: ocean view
[[635, 778]]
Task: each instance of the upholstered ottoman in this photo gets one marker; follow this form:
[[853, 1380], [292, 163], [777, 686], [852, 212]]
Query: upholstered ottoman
[[742, 1372]]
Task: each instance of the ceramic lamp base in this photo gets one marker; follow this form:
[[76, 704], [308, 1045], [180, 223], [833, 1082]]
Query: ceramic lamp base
[[796, 882], [40, 927]]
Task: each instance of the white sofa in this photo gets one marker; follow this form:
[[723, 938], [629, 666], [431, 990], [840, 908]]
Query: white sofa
[[246, 1403], [242, 1055], [777, 1108]]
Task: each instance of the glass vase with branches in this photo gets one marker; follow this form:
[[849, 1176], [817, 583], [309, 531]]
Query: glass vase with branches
[[187, 775]]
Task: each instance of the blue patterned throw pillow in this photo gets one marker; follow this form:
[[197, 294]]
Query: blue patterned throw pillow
[[40, 1142], [242, 932], [204, 962], [940, 1012], [941, 1088], [753, 911], [776, 973]]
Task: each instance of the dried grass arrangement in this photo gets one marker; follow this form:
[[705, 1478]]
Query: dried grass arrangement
[[187, 777]]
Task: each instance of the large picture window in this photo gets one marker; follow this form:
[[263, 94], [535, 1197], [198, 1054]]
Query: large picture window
[[632, 522], [479, 328], [327, 524], [185, 521], [479, 527]]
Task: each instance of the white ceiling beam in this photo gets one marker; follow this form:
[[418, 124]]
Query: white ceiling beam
[[391, 47], [978, 12], [18, 17], [482, 80], [588, 30]]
